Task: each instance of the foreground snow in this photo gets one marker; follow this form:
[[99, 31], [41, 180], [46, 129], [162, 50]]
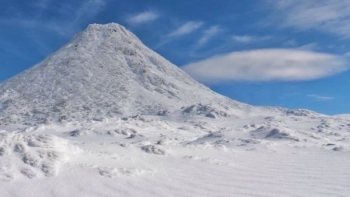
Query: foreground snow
[[179, 155]]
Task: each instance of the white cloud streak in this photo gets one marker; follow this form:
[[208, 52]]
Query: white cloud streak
[[320, 98], [243, 39], [143, 17], [248, 39], [187, 28], [322, 15], [88, 10], [66, 23], [266, 65], [209, 34]]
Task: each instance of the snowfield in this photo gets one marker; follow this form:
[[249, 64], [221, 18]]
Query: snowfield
[[106, 116], [178, 156]]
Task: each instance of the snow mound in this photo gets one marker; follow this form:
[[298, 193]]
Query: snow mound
[[274, 133], [152, 149], [300, 112], [117, 172], [279, 134], [32, 155], [205, 110]]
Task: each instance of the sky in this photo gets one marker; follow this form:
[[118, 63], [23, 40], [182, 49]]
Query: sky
[[284, 53]]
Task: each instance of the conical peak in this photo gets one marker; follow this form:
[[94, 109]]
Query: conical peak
[[110, 30], [105, 70], [113, 27], [104, 26], [110, 36]]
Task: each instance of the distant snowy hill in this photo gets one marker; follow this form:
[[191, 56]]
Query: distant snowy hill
[[103, 71]]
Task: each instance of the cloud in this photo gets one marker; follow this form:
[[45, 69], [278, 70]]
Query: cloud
[[321, 15], [143, 17], [320, 98], [243, 39], [311, 46], [208, 34], [187, 28], [68, 18], [42, 4], [248, 39], [266, 65], [67, 24], [184, 29], [88, 10], [290, 43]]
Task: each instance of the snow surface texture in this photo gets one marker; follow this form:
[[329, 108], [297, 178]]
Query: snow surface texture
[[106, 116], [178, 156]]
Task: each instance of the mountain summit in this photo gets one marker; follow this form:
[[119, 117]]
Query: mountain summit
[[103, 71]]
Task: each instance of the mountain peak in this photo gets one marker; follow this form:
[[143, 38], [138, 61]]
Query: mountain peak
[[103, 71], [105, 27], [110, 29], [106, 34]]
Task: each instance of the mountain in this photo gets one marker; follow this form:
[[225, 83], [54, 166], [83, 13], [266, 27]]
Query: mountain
[[103, 71]]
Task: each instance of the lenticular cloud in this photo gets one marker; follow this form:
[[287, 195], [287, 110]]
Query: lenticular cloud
[[266, 65]]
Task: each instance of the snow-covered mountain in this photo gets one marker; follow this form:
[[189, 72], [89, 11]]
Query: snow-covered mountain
[[103, 71]]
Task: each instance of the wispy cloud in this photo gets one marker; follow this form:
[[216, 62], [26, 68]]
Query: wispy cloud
[[42, 4], [69, 18], [249, 39], [84, 12], [243, 39], [311, 46], [321, 15], [290, 43], [143, 17], [187, 28], [87, 10], [208, 34], [266, 65], [320, 98], [65, 23]]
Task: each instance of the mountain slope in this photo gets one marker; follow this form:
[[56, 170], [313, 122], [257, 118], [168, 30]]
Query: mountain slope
[[103, 71]]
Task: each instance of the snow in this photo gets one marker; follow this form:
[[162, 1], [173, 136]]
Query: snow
[[106, 116], [178, 156]]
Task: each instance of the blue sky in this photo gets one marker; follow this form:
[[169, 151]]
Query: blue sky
[[288, 53]]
